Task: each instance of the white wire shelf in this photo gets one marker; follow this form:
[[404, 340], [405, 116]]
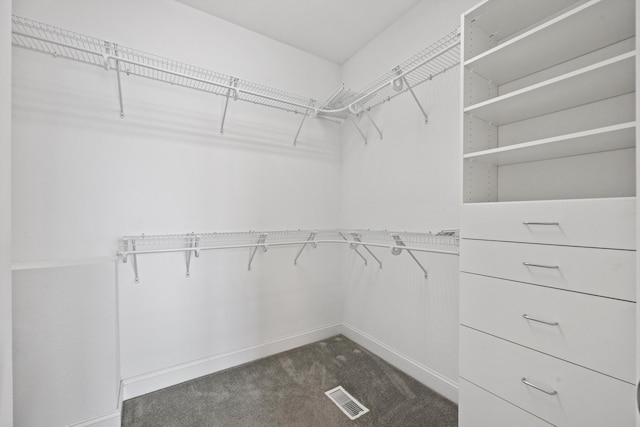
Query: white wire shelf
[[430, 62], [63, 43], [58, 42], [443, 242]]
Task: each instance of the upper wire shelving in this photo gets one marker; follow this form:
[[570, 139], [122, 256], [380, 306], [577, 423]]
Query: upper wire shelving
[[58, 42]]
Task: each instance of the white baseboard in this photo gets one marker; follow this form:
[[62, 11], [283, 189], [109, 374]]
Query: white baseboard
[[143, 384], [111, 419], [432, 379]]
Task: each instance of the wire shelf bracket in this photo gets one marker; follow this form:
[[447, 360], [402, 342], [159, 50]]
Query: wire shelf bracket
[[310, 241], [366, 113], [193, 243], [400, 246], [134, 258], [357, 237], [354, 247], [260, 244]]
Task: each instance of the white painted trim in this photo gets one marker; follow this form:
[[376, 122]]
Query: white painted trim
[[146, 383], [112, 419], [62, 263], [432, 379]]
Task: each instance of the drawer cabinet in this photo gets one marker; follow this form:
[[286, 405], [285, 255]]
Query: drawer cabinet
[[605, 272], [479, 408], [598, 333], [559, 392], [608, 223]]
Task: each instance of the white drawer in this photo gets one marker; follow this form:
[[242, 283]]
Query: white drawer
[[602, 223], [479, 408], [607, 272], [595, 332], [583, 398]]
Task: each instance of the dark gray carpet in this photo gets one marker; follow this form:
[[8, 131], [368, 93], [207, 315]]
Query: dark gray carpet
[[287, 390]]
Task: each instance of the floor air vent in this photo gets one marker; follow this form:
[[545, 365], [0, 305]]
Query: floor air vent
[[347, 403]]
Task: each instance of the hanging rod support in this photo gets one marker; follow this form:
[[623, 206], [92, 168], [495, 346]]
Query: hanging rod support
[[400, 246], [410, 89], [295, 140], [193, 243], [310, 241], [261, 240], [354, 247], [359, 131], [366, 113], [358, 239]]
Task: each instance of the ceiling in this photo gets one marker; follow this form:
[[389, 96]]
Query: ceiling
[[331, 29]]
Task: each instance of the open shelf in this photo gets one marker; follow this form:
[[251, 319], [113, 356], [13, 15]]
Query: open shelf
[[502, 18], [607, 138], [599, 22], [605, 79]]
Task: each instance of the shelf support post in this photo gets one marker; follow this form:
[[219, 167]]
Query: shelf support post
[[366, 113], [357, 238], [261, 240], [354, 247], [398, 250], [410, 89], [310, 241]]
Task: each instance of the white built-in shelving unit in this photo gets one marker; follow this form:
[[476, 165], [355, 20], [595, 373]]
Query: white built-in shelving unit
[[553, 82], [549, 214]]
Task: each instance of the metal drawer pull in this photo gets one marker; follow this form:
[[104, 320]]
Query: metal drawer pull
[[540, 223], [526, 316], [527, 383], [528, 264]]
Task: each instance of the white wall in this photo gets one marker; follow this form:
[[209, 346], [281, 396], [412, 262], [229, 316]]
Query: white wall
[[6, 392], [411, 180], [83, 177]]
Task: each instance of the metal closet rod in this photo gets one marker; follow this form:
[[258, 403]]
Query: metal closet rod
[[192, 240], [59, 42]]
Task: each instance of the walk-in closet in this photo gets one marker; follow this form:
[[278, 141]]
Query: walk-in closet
[[280, 213]]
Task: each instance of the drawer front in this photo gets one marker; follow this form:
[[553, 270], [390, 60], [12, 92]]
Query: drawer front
[[595, 332], [606, 272], [602, 223], [580, 397], [479, 408]]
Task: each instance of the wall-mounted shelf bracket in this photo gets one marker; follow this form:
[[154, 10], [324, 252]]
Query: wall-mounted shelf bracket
[[261, 240], [410, 89], [309, 241], [366, 113], [353, 120], [134, 259], [193, 243], [108, 47], [355, 248], [400, 246], [358, 238], [295, 139], [231, 92]]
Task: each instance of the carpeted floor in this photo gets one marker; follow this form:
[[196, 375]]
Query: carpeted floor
[[287, 390]]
